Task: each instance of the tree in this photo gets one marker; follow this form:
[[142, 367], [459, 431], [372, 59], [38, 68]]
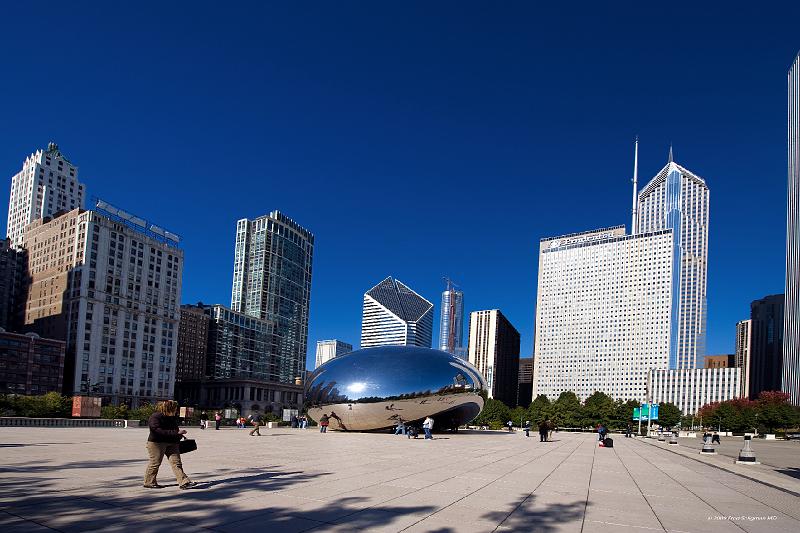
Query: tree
[[519, 415], [567, 410], [668, 414], [623, 413], [495, 414], [774, 410], [597, 409], [540, 409]]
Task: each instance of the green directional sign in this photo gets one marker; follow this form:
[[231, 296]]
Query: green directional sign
[[641, 413]]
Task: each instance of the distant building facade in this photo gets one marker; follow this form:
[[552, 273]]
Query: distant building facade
[[30, 364], [327, 350], [743, 335], [766, 344], [272, 282], [192, 343], [603, 312], [525, 382], [241, 371], [48, 183], [791, 327], [110, 286], [692, 388], [494, 351], [394, 315], [720, 361], [451, 324], [13, 273]]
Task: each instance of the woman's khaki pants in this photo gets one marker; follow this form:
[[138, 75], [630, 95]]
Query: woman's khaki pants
[[156, 452]]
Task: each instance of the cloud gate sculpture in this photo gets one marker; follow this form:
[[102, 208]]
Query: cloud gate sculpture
[[376, 388]]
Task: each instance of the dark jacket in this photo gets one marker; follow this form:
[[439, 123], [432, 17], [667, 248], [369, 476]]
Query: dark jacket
[[163, 428]]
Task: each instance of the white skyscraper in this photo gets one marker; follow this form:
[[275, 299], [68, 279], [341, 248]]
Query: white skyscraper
[[47, 183], [395, 315], [451, 325], [791, 316], [677, 199], [327, 350], [602, 312], [744, 332]]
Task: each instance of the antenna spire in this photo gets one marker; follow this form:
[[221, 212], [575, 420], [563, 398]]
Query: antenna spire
[[670, 153], [635, 208]]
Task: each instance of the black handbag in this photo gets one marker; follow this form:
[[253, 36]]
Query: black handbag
[[187, 445]]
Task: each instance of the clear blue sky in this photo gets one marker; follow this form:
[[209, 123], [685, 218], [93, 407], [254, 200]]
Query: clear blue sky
[[415, 139]]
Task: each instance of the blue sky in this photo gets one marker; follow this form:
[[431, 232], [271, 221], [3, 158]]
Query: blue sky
[[415, 139]]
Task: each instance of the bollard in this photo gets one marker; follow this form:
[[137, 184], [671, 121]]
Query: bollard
[[661, 436], [746, 454], [708, 449], [673, 439]]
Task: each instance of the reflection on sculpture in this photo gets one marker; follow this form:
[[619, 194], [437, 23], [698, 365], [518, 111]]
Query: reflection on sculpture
[[376, 388]]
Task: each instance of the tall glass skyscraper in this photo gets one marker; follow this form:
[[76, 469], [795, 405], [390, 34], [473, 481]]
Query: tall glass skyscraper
[[272, 282], [791, 317], [451, 325], [395, 315], [678, 200]]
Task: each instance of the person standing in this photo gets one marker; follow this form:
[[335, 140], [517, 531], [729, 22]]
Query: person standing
[[543, 429], [324, 420], [427, 426], [510, 426], [217, 420], [203, 420], [163, 440], [527, 428]]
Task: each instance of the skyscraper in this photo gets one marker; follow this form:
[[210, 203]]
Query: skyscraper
[[678, 200], [766, 344], [395, 315], [190, 361], [13, 271], [602, 312], [791, 328], [494, 351], [109, 283], [525, 382], [743, 334], [327, 350], [451, 325], [48, 183], [272, 282]]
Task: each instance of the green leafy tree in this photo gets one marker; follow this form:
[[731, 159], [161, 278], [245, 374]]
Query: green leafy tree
[[540, 408], [114, 412], [668, 414], [518, 414], [623, 413], [495, 414], [567, 410], [597, 409]]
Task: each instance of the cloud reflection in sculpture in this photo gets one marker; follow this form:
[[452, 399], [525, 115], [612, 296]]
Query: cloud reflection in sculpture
[[375, 388]]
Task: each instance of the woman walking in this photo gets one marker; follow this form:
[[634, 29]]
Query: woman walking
[[163, 440]]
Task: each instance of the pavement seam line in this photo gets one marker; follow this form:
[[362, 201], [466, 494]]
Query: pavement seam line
[[646, 499], [690, 490], [589, 487], [32, 521]]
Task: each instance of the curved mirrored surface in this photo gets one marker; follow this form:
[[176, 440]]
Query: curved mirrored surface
[[376, 388]]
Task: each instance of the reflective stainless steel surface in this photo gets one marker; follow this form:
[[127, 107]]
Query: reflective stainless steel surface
[[375, 388]]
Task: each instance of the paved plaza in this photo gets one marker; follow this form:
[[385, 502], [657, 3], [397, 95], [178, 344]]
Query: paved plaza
[[301, 480]]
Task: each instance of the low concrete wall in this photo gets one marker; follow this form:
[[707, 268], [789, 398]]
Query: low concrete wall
[[21, 421]]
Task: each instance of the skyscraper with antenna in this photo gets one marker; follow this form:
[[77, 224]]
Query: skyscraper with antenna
[[451, 324]]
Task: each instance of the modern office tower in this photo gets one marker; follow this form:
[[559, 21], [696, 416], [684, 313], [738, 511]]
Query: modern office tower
[[525, 383], [272, 281], [190, 361], [791, 327], [766, 344], [327, 350], [720, 361], [678, 199], [30, 364], [602, 312], [494, 351], [13, 269], [48, 183], [691, 388], [743, 335], [395, 315], [109, 283], [242, 371], [451, 325]]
